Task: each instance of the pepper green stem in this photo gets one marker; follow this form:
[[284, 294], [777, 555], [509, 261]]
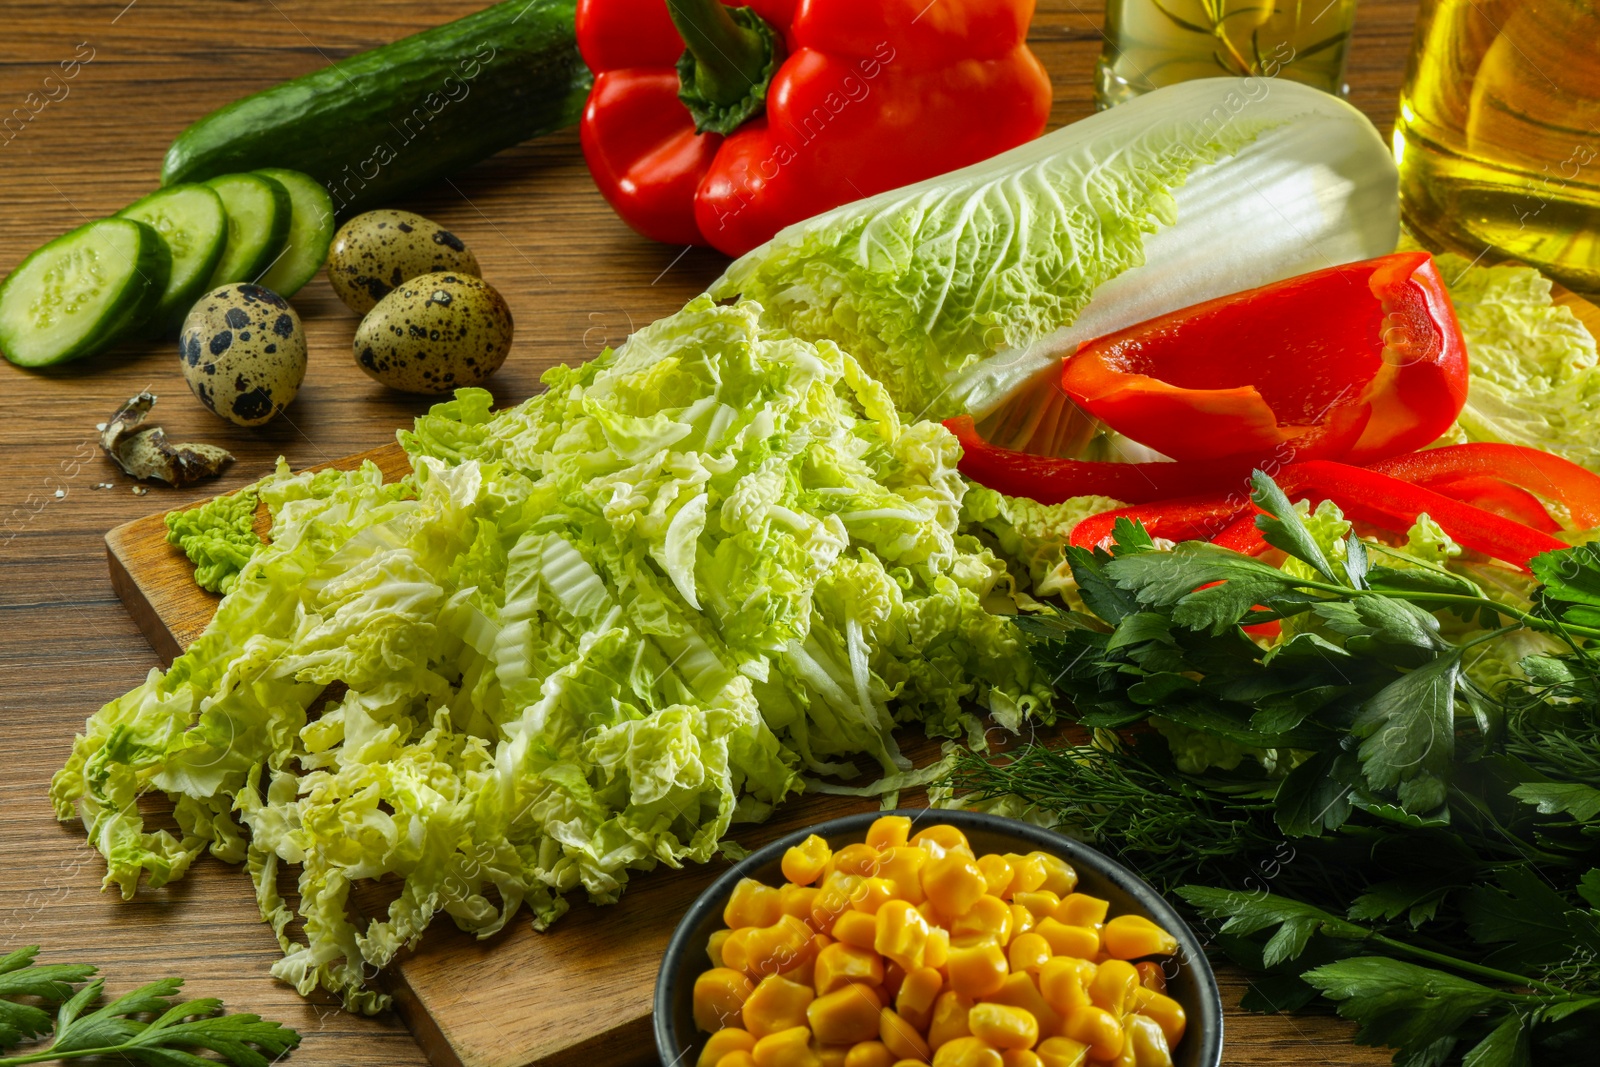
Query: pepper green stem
[[728, 65]]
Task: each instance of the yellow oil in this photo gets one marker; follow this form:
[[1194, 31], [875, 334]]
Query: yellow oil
[[1498, 137], [1151, 43]]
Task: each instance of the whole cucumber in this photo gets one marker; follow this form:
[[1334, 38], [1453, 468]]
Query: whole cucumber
[[383, 123]]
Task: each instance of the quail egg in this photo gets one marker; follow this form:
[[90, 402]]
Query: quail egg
[[243, 352], [435, 333], [374, 252]]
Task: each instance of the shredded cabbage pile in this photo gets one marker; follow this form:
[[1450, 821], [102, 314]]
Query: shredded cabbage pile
[[585, 636]]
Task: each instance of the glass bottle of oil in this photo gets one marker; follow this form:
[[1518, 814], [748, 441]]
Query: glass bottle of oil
[[1151, 43], [1498, 137]]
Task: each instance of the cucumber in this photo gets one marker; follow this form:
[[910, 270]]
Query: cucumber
[[310, 232], [258, 224], [82, 292], [380, 124], [194, 225]]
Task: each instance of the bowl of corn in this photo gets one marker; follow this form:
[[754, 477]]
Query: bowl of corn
[[951, 938]]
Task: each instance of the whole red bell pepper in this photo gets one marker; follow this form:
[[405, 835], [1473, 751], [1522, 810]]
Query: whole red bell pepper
[[721, 125], [1354, 363]]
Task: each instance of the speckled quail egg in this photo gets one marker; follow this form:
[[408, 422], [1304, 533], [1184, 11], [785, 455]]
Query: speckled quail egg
[[243, 352], [435, 333], [374, 252]]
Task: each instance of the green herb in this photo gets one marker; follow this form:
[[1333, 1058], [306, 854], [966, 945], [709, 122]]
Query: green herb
[[1386, 827], [144, 1026]]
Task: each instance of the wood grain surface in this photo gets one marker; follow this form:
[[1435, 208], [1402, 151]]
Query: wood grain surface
[[576, 280]]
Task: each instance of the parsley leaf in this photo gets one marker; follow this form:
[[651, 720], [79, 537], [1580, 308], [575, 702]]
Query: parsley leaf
[[1398, 1003]]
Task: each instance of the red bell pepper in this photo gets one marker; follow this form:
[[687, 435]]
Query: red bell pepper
[[1470, 472], [1356, 363], [775, 112], [1197, 518], [1362, 494]]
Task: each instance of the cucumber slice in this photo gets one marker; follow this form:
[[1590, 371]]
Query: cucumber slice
[[310, 232], [82, 292], [193, 223], [258, 223]]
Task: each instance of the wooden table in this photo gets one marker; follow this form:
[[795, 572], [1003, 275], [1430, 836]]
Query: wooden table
[[576, 280]]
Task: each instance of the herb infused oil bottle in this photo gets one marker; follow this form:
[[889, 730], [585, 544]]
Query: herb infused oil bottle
[[1498, 137]]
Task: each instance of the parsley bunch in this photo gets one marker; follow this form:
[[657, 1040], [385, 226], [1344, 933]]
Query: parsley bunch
[[1379, 828], [143, 1026]]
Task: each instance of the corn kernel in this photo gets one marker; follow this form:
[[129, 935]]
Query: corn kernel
[[1165, 1011], [988, 918], [1151, 976], [967, 1052], [902, 865], [1113, 986], [917, 994], [1065, 984], [947, 837], [805, 971], [902, 934], [949, 1019], [1080, 909], [910, 1063], [1003, 1026], [776, 1004], [1022, 920], [900, 1037], [832, 1055], [714, 946], [872, 1053], [893, 976], [1020, 991], [1027, 872], [1020, 1057], [1041, 902], [833, 899], [1127, 937], [1028, 952], [888, 831], [937, 952], [1062, 1052], [737, 1058], [977, 970], [1077, 941], [839, 964], [1149, 1041], [996, 872], [798, 900], [728, 1039], [784, 945], [1059, 877], [858, 859], [802, 864], [752, 904], [872, 894], [719, 996], [1095, 1027], [734, 949], [845, 1016], [790, 1047], [855, 928], [953, 884]]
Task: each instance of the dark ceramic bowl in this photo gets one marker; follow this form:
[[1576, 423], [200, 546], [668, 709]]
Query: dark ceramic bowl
[[1193, 986]]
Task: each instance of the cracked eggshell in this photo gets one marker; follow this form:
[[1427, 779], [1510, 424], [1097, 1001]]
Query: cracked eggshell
[[435, 333], [243, 353], [374, 252]]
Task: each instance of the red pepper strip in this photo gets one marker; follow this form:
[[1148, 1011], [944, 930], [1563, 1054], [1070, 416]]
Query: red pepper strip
[[1575, 489], [1242, 535], [1356, 362], [1050, 480], [863, 98], [1502, 498], [1198, 518], [1364, 496]]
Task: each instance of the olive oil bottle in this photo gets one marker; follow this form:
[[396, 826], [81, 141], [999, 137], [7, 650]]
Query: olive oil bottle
[[1498, 137]]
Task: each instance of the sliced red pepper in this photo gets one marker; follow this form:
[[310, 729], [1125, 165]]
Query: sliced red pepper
[[1200, 518], [1464, 472], [1356, 362], [1050, 480], [825, 102], [1364, 496]]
